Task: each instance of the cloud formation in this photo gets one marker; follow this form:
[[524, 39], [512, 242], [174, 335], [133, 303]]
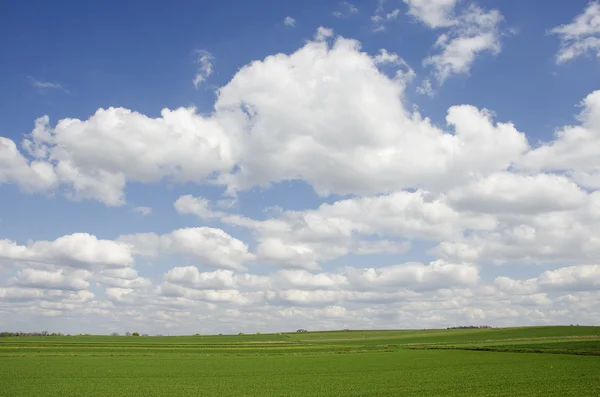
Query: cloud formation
[[581, 37], [205, 68], [471, 198]]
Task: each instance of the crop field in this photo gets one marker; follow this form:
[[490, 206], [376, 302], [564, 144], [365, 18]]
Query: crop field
[[533, 361]]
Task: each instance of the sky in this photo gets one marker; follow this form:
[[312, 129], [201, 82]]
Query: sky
[[233, 166]]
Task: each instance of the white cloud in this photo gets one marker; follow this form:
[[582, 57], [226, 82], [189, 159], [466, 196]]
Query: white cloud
[[425, 88], [303, 239], [536, 238], [252, 140], [289, 21], [78, 250], [518, 194], [381, 17], [335, 117], [424, 296], [572, 278], [323, 33], [581, 37], [205, 68], [43, 279], [208, 246], [30, 176], [346, 10], [575, 150], [433, 13], [127, 278], [92, 157], [198, 206], [371, 144], [471, 33]]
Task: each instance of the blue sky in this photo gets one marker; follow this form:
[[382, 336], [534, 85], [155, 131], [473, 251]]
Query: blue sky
[[299, 161]]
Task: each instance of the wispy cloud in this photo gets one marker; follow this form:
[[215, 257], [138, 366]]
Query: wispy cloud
[[205, 69], [142, 210], [289, 21], [581, 37], [381, 17], [346, 10], [45, 85], [471, 33]]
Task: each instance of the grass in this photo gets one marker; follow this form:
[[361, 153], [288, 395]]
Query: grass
[[496, 362]]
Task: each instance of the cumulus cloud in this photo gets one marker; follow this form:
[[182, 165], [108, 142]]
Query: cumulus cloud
[[468, 194], [30, 176], [78, 250], [518, 194], [367, 145], [198, 206], [581, 37], [208, 246], [92, 157], [58, 280], [575, 149], [250, 140]]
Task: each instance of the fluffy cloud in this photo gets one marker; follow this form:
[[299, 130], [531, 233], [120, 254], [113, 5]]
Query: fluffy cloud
[[473, 32], [303, 287], [370, 144], [210, 247], [335, 117], [572, 278], [79, 250], [438, 294], [58, 280], [559, 237], [198, 206], [31, 176], [580, 37], [518, 194], [305, 238], [576, 149], [93, 157], [433, 13]]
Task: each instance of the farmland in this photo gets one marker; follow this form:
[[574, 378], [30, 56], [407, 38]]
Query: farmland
[[546, 361]]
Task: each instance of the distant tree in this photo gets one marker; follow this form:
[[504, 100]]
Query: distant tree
[[135, 334], [241, 333], [144, 334], [115, 334], [127, 333], [301, 330]]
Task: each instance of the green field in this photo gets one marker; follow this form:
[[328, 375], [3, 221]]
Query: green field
[[534, 361]]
